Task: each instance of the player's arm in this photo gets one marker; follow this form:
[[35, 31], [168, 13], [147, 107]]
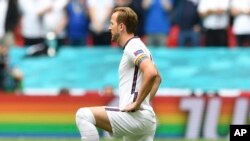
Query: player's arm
[[155, 86], [150, 74]]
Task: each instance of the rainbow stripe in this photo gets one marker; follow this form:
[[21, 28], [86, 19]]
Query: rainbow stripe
[[55, 115], [43, 115], [172, 120]]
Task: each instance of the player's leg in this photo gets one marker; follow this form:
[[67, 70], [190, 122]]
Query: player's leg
[[88, 118], [144, 137], [131, 123], [101, 117], [85, 122]]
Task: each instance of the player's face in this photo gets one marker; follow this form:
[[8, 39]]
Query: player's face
[[113, 27]]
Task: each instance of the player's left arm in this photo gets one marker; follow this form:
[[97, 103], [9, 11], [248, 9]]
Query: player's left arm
[[150, 81], [156, 85], [150, 74]]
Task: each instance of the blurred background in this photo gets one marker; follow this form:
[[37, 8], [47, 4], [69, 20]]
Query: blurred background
[[56, 56]]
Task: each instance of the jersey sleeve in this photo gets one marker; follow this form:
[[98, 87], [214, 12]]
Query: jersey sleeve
[[136, 54]]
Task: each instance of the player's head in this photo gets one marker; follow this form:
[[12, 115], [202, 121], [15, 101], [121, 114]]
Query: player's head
[[123, 19]]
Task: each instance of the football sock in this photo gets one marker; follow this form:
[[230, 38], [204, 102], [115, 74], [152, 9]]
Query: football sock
[[85, 122]]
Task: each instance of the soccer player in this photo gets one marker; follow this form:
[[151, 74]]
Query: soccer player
[[135, 119]]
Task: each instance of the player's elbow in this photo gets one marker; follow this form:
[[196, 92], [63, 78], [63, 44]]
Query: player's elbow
[[158, 78], [149, 70], [153, 74]]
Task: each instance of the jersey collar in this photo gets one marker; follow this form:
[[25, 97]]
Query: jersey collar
[[128, 41]]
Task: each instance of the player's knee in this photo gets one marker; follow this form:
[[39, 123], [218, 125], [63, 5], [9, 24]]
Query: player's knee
[[85, 114]]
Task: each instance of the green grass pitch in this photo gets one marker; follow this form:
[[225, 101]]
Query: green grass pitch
[[76, 139]]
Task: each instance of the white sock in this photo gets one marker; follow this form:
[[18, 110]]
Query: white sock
[[85, 122]]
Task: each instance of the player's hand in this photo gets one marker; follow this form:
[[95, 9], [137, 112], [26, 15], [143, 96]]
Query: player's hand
[[132, 107]]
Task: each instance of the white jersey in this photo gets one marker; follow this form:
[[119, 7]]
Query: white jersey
[[130, 76]]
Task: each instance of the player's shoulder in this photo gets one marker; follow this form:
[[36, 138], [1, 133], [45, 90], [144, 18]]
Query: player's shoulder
[[135, 44]]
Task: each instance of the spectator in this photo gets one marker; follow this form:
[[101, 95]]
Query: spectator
[[100, 12], [215, 20], [240, 11], [77, 29], [10, 76], [15, 80], [185, 16], [31, 24], [54, 21], [9, 18], [3, 60], [157, 21], [64, 91], [108, 91], [32, 12]]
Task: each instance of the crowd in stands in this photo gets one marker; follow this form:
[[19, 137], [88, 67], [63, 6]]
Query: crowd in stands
[[43, 24], [10, 75], [166, 23]]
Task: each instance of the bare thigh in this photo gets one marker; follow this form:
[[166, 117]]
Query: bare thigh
[[101, 117]]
